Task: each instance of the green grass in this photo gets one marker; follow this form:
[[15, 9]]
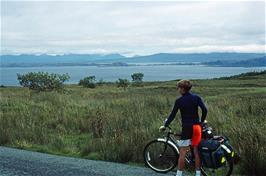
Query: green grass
[[113, 124]]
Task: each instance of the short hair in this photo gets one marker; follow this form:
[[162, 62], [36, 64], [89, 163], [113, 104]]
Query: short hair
[[186, 84]]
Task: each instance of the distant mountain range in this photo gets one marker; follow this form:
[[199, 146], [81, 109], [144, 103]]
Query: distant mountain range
[[211, 59], [55, 59], [192, 57], [257, 62]]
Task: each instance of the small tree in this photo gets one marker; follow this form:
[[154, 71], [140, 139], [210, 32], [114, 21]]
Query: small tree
[[137, 78], [89, 82], [42, 81], [122, 83]]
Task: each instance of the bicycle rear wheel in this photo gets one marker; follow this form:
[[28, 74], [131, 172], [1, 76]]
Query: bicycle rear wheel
[[160, 156], [225, 170]]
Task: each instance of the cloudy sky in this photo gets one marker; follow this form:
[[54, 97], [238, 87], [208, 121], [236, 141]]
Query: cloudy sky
[[131, 28]]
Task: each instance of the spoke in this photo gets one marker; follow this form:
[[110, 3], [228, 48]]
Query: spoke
[[161, 156]]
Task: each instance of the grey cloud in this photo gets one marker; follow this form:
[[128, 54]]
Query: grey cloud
[[138, 27]]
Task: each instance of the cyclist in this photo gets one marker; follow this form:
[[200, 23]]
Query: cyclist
[[188, 104]]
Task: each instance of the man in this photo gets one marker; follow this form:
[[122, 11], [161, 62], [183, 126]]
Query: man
[[188, 104]]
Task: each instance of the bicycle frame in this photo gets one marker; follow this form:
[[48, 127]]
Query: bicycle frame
[[171, 140]]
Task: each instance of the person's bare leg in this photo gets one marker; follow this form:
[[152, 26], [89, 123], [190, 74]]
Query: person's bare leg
[[181, 160], [197, 160]]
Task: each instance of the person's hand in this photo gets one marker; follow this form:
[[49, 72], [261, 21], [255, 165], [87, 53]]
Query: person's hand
[[162, 128]]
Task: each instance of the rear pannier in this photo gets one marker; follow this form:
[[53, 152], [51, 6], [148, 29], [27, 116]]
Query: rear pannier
[[212, 153]]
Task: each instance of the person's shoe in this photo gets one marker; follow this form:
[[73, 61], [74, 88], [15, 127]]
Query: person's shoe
[[178, 173], [197, 172]]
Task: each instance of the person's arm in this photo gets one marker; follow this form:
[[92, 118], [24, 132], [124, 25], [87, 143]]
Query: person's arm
[[203, 110], [172, 115]]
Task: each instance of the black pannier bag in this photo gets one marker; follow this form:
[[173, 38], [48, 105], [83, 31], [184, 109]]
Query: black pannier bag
[[212, 153]]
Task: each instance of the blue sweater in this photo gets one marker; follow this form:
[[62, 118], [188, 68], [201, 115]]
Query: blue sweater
[[188, 105]]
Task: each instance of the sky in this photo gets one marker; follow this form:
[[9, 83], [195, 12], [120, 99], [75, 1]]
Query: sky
[[131, 28]]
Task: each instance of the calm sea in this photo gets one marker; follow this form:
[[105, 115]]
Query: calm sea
[[151, 73]]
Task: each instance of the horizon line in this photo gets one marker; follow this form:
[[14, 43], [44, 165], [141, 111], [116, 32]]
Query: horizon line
[[136, 55]]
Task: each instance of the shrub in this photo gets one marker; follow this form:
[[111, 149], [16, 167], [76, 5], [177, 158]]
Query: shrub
[[124, 83], [101, 82], [89, 82], [137, 78], [42, 81]]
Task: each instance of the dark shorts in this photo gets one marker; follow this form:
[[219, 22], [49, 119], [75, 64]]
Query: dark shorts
[[192, 132], [187, 132]]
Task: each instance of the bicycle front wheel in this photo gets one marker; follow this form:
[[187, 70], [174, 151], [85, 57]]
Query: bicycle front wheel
[[160, 156]]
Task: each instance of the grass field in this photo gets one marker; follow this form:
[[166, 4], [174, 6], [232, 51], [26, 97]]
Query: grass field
[[110, 123]]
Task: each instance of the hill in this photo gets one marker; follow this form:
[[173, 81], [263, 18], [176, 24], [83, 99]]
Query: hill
[[81, 59], [257, 62], [190, 57], [56, 59], [248, 75]]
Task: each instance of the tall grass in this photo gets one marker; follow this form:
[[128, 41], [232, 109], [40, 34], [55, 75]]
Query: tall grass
[[108, 123]]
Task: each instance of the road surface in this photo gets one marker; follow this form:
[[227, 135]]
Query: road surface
[[14, 162]]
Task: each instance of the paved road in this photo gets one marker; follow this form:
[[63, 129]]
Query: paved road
[[14, 162]]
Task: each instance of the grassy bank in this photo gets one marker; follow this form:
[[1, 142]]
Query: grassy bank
[[108, 123]]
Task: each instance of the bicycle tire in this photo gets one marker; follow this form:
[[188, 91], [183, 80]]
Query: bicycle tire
[[231, 167], [167, 145]]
